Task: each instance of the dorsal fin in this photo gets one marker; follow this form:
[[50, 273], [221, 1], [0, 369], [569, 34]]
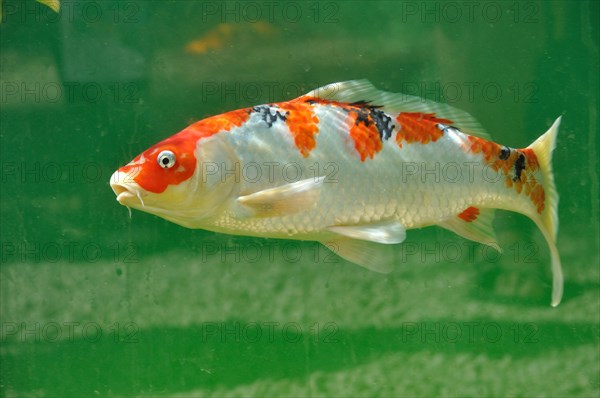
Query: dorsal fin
[[362, 91]]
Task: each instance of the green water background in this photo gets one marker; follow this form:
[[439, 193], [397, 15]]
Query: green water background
[[94, 303]]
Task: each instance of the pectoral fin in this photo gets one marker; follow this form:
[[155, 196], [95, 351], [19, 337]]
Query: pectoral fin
[[286, 199], [474, 224]]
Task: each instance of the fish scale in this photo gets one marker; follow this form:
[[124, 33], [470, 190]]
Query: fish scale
[[349, 166]]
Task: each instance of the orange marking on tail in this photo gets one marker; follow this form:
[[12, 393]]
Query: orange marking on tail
[[470, 214], [518, 186], [419, 127], [533, 188], [526, 183], [489, 149], [532, 160], [538, 197], [302, 122]]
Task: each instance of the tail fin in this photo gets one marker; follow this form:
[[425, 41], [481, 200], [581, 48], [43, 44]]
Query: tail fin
[[548, 222]]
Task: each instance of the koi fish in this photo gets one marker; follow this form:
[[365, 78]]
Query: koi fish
[[349, 166], [225, 33]]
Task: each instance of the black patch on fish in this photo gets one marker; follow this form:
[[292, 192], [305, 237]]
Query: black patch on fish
[[519, 167], [367, 114], [371, 114], [363, 116], [365, 104], [504, 153], [383, 122], [269, 114]]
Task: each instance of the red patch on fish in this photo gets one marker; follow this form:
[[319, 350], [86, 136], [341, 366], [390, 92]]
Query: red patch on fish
[[216, 124], [470, 214], [361, 126], [490, 150], [532, 160], [419, 127], [533, 188], [538, 197], [300, 118], [303, 124], [363, 131], [153, 178]]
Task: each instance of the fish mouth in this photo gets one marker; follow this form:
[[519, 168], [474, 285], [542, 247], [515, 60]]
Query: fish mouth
[[126, 194], [122, 193]]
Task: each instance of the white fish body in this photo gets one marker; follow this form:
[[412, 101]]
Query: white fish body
[[351, 167]]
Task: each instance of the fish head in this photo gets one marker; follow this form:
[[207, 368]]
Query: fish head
[[173, 179]]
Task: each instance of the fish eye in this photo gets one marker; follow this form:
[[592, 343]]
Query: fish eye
[[166, 159]]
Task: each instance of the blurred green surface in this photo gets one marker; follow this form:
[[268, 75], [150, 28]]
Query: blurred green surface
[[94, 303]]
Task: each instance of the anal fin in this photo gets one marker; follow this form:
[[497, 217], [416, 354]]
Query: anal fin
[[474, 224]]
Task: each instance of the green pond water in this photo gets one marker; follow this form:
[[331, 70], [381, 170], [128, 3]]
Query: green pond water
[[95, 303]]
